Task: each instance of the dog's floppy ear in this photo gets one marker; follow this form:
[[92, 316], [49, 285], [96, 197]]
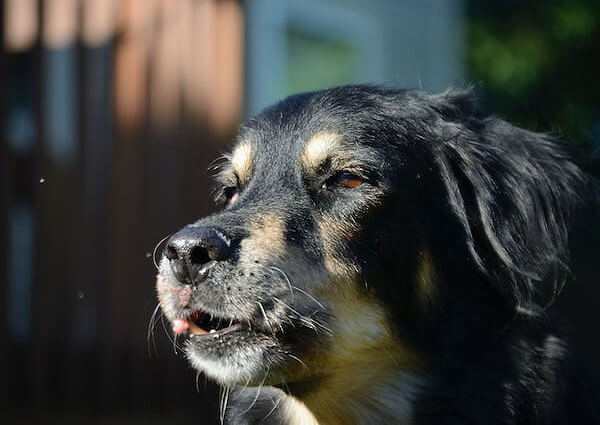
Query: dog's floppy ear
[[512, 191]]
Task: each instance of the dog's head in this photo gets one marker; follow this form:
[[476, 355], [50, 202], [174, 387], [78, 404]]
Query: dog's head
[[360, 220]]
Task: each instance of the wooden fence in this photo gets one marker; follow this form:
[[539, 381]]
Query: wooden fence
[[111, 112]]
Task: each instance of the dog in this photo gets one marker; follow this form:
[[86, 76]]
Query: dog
[[380, 257]]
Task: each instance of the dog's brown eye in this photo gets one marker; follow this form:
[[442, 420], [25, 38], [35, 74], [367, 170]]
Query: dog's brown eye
[[350, 180], [344, 179]]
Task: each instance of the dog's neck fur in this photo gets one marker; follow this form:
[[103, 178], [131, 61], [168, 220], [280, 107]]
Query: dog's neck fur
[[365, 394], [368, 377], [353, 393]]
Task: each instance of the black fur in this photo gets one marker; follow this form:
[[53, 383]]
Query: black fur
[[486, 201]]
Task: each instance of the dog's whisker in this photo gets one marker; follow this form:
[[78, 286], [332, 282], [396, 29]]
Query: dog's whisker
[[309, 296], [175, 346], [223, 402], [285, 276], [198, 373], [150, 332], [315, 325], [258, 390], [246, 384], [256, 396], [162, 321], [169, 334], [290, 308], [293, 310], [298, 360], [155, 250], [264, 313], [324, 328], [272, 410], [150, 327], [308, 321]]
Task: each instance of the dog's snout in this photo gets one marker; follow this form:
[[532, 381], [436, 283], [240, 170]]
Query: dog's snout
[[192, 251]]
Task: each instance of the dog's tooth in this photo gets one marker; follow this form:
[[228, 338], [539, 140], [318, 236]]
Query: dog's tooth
[[212, 331]]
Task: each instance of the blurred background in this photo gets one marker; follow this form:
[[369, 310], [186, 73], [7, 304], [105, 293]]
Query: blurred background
[[111, 111]]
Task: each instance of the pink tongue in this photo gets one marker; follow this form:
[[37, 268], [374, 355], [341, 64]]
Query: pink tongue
[[180, 326]]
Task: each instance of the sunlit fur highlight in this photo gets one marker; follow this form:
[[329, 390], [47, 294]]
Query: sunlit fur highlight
[[318, 148], [296, 412], [242, 159], [426, 277]]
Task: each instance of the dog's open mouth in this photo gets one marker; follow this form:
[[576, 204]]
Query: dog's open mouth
[[199, 324]]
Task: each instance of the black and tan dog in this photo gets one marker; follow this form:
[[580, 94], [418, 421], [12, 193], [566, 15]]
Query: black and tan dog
[[377, 261]]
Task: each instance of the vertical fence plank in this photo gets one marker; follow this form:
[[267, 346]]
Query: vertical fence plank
[[126, 214], [19, 24], [5, 195]]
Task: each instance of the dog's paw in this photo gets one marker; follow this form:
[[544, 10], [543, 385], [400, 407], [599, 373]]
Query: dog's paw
[[251, 406]]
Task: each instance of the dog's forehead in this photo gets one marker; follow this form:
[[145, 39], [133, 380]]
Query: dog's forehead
[[312, 125], [294, 141], [310, 148]]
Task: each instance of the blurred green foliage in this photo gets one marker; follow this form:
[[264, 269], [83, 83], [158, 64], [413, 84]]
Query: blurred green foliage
[[537, 63], [336, 62]]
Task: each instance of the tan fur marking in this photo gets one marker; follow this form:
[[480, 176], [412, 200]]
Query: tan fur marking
[[426, 278], [362, 354], [318, 148], [295, 412], [334, 234], [242, 160], [266, 238]]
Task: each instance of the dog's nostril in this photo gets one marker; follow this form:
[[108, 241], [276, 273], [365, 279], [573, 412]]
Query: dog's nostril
[[199, 256], [171, 252]]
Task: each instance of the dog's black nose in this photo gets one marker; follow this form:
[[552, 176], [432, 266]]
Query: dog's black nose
[[193, 250]]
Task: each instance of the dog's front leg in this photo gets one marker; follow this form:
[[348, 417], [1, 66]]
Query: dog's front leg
[[268, 406]]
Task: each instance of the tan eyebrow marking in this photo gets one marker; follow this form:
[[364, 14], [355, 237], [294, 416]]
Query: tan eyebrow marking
[[242, 161], [318, 148]]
